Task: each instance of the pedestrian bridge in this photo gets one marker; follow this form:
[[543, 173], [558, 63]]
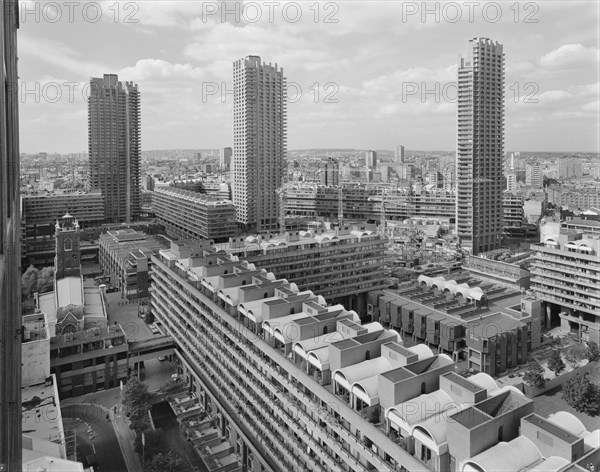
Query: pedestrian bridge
[[151, 348]]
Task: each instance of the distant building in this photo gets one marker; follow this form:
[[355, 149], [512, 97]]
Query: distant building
[[190, 215], [260, 133], [533, 175], [149, 183], [363, 202], [114, 146], [370, 159], [570, 167], [330, 174], [400, 154], [513, 214], [478, 168], [225, 158]]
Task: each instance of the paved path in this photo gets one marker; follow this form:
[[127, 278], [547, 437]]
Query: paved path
[[104, 439], [106, 401]]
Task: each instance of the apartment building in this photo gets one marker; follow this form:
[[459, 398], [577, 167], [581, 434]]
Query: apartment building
[[534, 175], [513, 214], [342, 264], [125, 257], [464, 318], [363, 202], [40, 211], [480, 146], [570, 167], [114, 146], [565, 276], [259, 142], [291, 383], [189, 215]]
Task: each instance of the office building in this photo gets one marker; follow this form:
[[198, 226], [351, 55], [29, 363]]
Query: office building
[[370, 160], [114, 146], [570, 167], [190, 215], [290, 383], [341, 264], [400, 154], [125, 257], [10, 258], [533, 175], [260, 142], [565, 275], [225, 158], [480, 146]]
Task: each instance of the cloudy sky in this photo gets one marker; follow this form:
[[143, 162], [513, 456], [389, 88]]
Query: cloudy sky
[[361, 74]]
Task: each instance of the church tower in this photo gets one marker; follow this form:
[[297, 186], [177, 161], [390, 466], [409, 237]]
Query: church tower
[[68, 253]]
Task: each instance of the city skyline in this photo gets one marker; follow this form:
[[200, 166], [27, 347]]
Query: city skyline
[[370, 74]]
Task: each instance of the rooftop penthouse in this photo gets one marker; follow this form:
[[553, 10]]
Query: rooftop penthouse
[[299, 383]]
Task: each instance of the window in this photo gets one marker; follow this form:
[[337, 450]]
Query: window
[[68, 244]]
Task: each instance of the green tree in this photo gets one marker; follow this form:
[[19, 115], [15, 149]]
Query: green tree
[[576, 353], [45, 281], [582, 394], [29, 281], [169, 462], [593, 352], [555, 362], [534, 376]]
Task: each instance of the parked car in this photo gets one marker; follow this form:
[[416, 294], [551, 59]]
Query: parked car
[[154, 329]]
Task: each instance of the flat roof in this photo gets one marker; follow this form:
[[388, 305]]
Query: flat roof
[[41, 418], [398, 375], [461, 381], [470, 417], [551, 428], [493, 325]]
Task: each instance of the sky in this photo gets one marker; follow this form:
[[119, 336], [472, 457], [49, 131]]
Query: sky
[[361, 74]]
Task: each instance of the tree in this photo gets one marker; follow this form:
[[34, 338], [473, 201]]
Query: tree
[[580, 393], [137, 401], [593, 352], [169, 462], [576, 353], [45, 281], [534, 376], [555, 362], [29, 281]]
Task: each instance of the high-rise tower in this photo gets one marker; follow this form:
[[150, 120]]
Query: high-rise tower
[[260, 133], [114, 146], [480, 146], [10, 254]]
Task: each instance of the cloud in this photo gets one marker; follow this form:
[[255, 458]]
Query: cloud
[[153, 69], [570, 56]]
